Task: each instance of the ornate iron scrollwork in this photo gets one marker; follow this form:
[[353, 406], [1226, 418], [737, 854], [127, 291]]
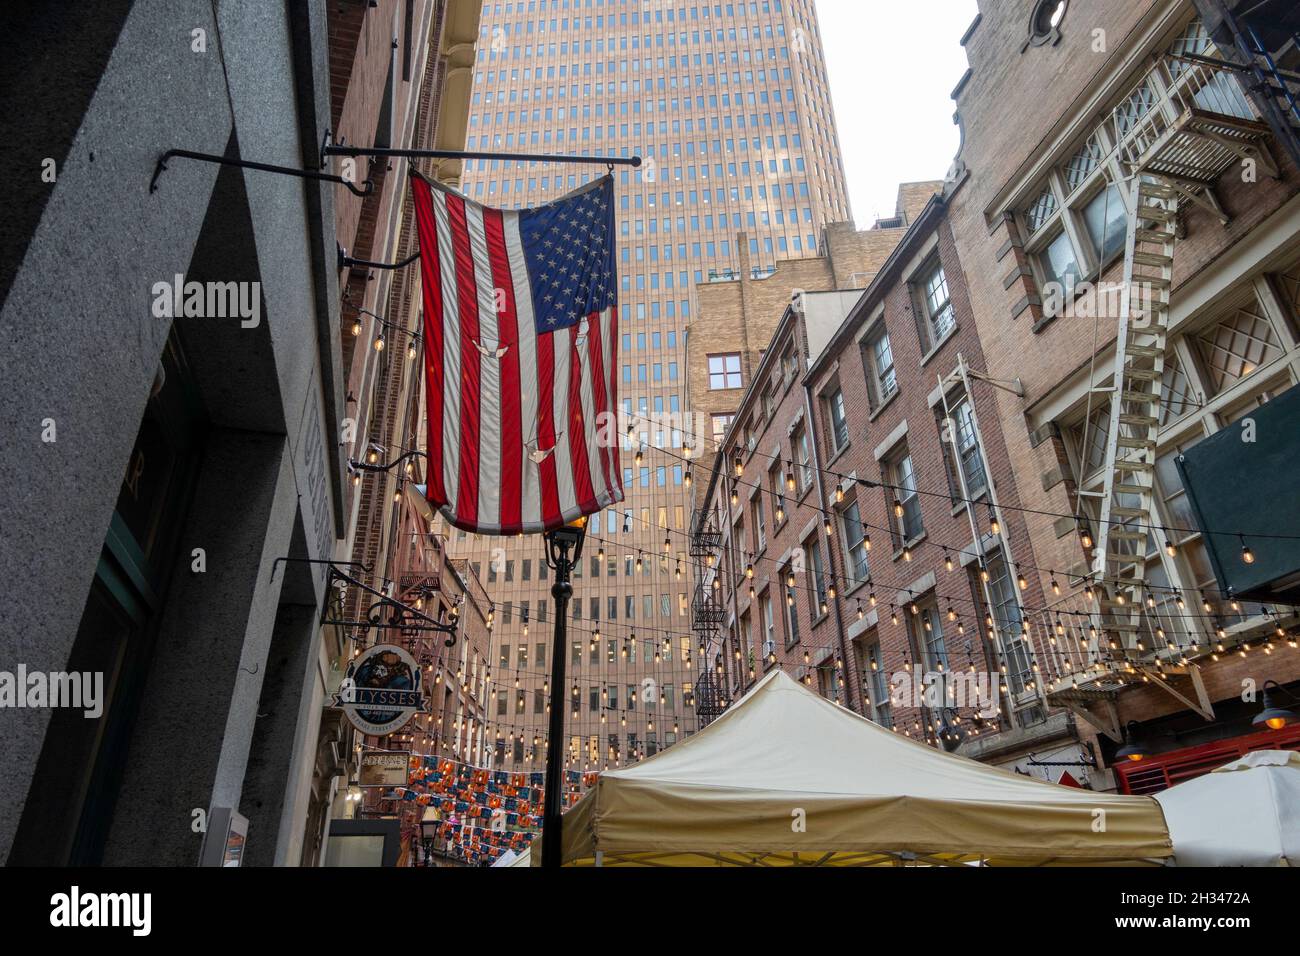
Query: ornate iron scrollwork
[[385, 613]]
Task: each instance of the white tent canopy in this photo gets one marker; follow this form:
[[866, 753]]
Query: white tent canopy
[[513, 858], [1246, 813], [786, 777]]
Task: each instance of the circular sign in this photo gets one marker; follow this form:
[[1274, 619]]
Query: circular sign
[[380, 692]]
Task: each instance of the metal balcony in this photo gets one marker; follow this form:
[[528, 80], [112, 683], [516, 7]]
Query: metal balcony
[[706, 613], [707, 705], [705, 542], [1187, 123]]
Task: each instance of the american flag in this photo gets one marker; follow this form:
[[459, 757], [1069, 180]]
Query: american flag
[[521, 356]]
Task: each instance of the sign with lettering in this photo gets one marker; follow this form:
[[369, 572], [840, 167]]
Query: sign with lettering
[[384, 768], [380, 691]]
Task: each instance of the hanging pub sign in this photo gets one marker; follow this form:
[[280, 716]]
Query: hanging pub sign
[[380, 691], [384, 768]]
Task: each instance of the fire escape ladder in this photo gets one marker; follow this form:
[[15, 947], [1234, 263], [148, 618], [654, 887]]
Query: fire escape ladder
[[1130, 451]]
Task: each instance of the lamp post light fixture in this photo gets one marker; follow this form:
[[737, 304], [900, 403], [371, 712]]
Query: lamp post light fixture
[[563, 552]]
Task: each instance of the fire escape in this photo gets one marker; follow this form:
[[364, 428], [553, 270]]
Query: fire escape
[[707, 616], [1260, 41], [1186, 125]]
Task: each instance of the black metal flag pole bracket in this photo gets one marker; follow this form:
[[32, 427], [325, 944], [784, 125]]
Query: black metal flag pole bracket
[[365, 189], [329, 148], [346, 261]]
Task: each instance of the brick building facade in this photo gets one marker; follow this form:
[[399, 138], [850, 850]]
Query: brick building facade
[[1052, 201], [736, 313], [856, 550], [1061, 102]]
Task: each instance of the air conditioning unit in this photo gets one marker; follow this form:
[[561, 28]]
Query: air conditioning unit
[[769, 648]]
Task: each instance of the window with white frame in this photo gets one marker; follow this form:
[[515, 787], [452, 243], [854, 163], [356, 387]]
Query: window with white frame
[[791, 608], [962, 448], [876, 683], [936, 314], [927, 632], [905, 508], [724, 371], [816, 572], [1237, 345], [720, 424], [776, 488], [803, 458], [878, 359], [854, 535], [1008, 621], [837, 422], [769, 622]]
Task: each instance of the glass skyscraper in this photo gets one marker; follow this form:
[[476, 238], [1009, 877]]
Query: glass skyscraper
[[728, 105]]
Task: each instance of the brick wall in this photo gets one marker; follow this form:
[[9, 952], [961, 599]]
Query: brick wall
[[1014, 106], [741, 315], [826, 639], [947, 525]]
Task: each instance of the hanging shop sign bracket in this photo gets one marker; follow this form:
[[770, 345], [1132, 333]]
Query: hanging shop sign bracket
[[385, 613], [345, 261]]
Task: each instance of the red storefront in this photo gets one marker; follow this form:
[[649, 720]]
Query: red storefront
[[1153, 774]]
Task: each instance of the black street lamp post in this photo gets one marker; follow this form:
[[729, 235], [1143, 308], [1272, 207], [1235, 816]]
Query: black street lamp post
[[563, 551]]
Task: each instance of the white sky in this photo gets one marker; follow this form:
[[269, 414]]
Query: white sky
[[892, 68]]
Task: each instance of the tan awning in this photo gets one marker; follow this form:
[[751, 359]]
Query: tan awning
[[786, 777]]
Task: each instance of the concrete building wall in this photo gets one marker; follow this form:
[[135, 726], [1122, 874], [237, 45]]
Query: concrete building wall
[[93, 346], [216, 690]]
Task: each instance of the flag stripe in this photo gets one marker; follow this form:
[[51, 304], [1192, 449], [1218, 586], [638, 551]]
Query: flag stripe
[[611, 369], [450, 357], [531, 494], [560, 404], [603, 427], [433, 305], [550, 485], [489, 392], [470, 380], [512, 443], [581, 420]]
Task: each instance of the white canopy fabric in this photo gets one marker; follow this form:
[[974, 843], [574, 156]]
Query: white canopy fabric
[[513, 858], [1246, 813], [786, 777]]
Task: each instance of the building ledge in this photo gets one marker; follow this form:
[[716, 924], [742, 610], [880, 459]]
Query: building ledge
[[1005, 742]]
